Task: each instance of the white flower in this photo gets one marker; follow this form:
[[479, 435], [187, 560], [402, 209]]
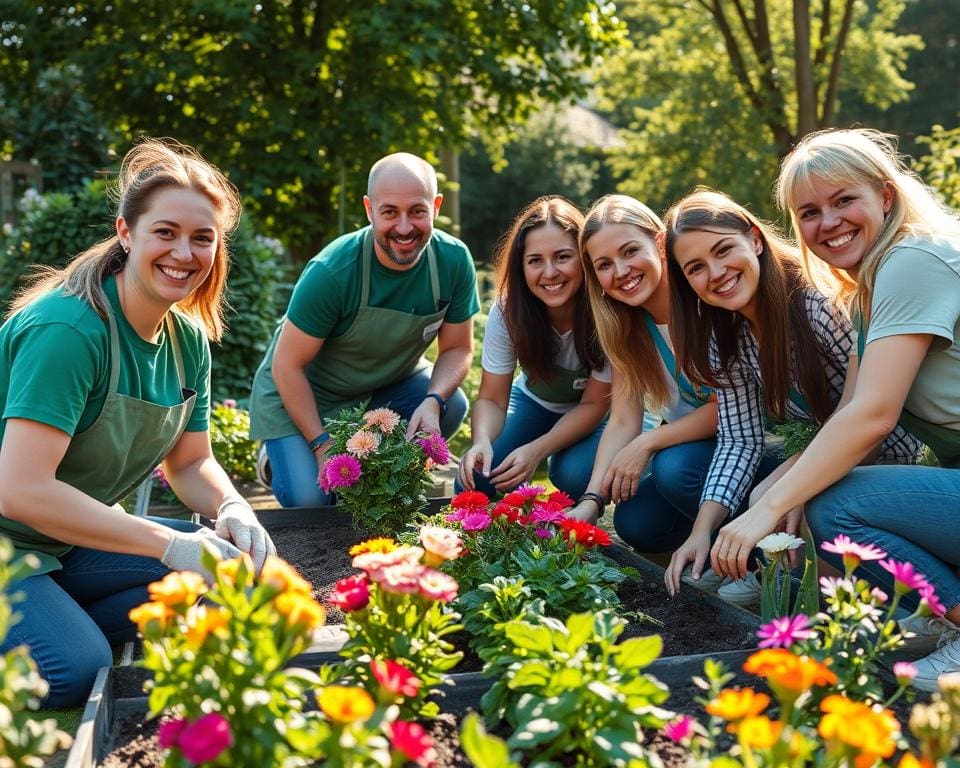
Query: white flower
[[776, 543]]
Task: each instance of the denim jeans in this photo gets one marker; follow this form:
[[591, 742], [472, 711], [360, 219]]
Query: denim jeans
[[294, 467], [70, 618], [909, 512], [660, 515], [526, 420]]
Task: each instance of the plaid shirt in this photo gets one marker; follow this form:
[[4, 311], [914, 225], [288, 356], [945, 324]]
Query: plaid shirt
[[740, 432]]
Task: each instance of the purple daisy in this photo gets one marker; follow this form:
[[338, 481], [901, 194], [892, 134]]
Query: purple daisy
[[785, 631], [906, 578]]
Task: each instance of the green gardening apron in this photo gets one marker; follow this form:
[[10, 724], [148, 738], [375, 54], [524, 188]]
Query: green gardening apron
[[114, 454], [564, 385], [690, 392], [381, 346]]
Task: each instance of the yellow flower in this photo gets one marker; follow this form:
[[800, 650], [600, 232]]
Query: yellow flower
[[228, 570], [151, 617], [759, 732], [911, 761], [300, 610], [203, 621], [848, 723], [788, 673], [738, 703], [178, 589], [346, 705], [380, 544], [283, 577]]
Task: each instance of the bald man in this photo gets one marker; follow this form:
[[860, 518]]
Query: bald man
[[361, 315]]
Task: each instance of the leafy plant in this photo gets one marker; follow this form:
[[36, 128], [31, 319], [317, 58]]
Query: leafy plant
[[775, 579], [230, 438], [796, 434]]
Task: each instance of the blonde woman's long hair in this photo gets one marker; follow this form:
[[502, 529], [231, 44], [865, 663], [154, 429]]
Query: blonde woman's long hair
[[622, 329], [150, 166], [863, 156]]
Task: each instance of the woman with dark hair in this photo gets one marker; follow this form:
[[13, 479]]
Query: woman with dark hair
[[541, 319], [751, 323]]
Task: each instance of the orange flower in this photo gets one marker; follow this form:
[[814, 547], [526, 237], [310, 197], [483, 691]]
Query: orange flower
[[872, 733], [150, 617], [204, 621], [178, 589], [788, 673], [228, 570], [759, 732], [381, 544], [738, 703], [283, 577], [300, 610], [346, 705], [910, 760]]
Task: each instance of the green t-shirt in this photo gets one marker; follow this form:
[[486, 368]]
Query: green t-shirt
[[327, 295], [55, 364], [917, 290]]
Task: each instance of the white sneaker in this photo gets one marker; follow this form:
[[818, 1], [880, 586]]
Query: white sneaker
[[709, 581], [264, 475], [940, 662], [744, 592], [922, 634]]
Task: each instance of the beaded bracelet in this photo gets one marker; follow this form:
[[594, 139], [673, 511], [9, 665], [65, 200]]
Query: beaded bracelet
[[595, 497], [319, 441]]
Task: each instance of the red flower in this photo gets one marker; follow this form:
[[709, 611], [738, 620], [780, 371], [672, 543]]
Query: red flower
[[560, 499], [350, 594], [514, 499], [414, 743], [474, 500], [580, 532], [505, 510], [395, 678]]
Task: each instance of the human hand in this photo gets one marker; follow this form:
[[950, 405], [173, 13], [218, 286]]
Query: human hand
[[791, 524], [237, 522], [426, 418], [184, 551], [587, 510], [736, 540], [321, 457], [479, 456], [695, 549], [518, 467], [622, 478]]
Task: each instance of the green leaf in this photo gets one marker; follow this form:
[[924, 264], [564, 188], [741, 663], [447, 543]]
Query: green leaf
[[639, 652], [483, 749], [531, 674], [534, 733], [530, 638]]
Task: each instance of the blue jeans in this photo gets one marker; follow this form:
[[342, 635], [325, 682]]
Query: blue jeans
[[294, 467], [660, 515], [526, 420], [909, 512], [70, 618]]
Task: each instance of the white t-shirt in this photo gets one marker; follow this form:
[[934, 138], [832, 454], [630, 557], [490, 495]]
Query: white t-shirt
[[500, 356], [676, 407]]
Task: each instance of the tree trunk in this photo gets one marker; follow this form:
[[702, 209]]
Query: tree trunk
[[806, 90]]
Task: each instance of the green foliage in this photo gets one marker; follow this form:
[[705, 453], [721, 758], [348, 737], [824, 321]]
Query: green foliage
[[796, 434], [23, 738], [484, 750], [775, 580], [940, 166], [570, 692], [230, 438]]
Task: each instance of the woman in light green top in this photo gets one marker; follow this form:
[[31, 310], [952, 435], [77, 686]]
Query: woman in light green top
[[104, 373]]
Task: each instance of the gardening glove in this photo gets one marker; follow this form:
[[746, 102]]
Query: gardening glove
[[237, 522], [185, 550]]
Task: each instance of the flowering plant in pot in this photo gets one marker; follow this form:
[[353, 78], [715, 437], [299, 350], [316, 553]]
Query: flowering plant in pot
[[376, 473]]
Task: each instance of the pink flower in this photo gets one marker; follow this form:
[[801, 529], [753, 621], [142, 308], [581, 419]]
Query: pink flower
[[853, 553], [543, 533], [350, 594], [414, 743], [545, 513], [438, 586], [395, 678], [403, 578], [440, 544], [904, 671], [906, 578], [930, 604], [679, 730], [340, 471], [229, 403], [530, 492], [161, 477], [382, 418], [475, 521], [879, 595], [362, 443], [435, 447], [205, 738], [455, 517], [169, 732], [375, 561], [785, 631]]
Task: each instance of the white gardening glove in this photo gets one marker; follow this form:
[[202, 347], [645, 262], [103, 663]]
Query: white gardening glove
[[237, 522], [185, 551]]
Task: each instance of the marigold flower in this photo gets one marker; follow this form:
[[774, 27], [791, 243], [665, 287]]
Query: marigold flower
[[402, 578], [412, 740], [395, 678], [737, 703], [788, 673], [151, 617], [283, 577], [581, 532], [362, 443], [380, 544], [438, 586], [300, 610], [470, 500], [785, 631], [440, 544], [475, 521], [205, 738], [383, 419], [435, 448], [853, 554], [345, 705], [178, 589], [229, 570], [203, 621], [906, 578], [854, 724], [759, 732], [350, 594], [681, 729]]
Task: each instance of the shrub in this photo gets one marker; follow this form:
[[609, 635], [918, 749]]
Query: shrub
[[230, 437]]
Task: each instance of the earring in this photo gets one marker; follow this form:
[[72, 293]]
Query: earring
[[699, 308], [126, 248]]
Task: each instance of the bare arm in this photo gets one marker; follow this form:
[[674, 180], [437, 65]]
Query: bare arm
[[454, 355], [195, 476], [486, 424], [295, 350]]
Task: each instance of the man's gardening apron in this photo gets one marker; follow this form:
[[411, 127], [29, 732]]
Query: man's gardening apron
[[116, 453]]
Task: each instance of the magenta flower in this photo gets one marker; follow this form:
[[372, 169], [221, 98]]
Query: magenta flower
[[853, 554], [681, 729], [350, 594], [229, 403], [545, 513], [785, 631], [435, 448], [930, 604], [205, 738], [904, 671], [528, 492], [169, 732], [475, 521], [906, 578], [340, 471], [543, 533]]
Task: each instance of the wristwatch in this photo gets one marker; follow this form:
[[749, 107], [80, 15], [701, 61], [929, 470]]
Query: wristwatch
[[443, 403]]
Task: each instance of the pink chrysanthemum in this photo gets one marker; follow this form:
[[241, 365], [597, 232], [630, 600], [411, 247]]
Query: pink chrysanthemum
[[930, 604], [403, 578], [363, 442], [340, 471], [475, 521], [679, 730], [544, 533], [374, 562], [906, 578], [529, 492], [545, 513], [853, 554], [435, 448], [383, 419], [785, 631], [438, 586]]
